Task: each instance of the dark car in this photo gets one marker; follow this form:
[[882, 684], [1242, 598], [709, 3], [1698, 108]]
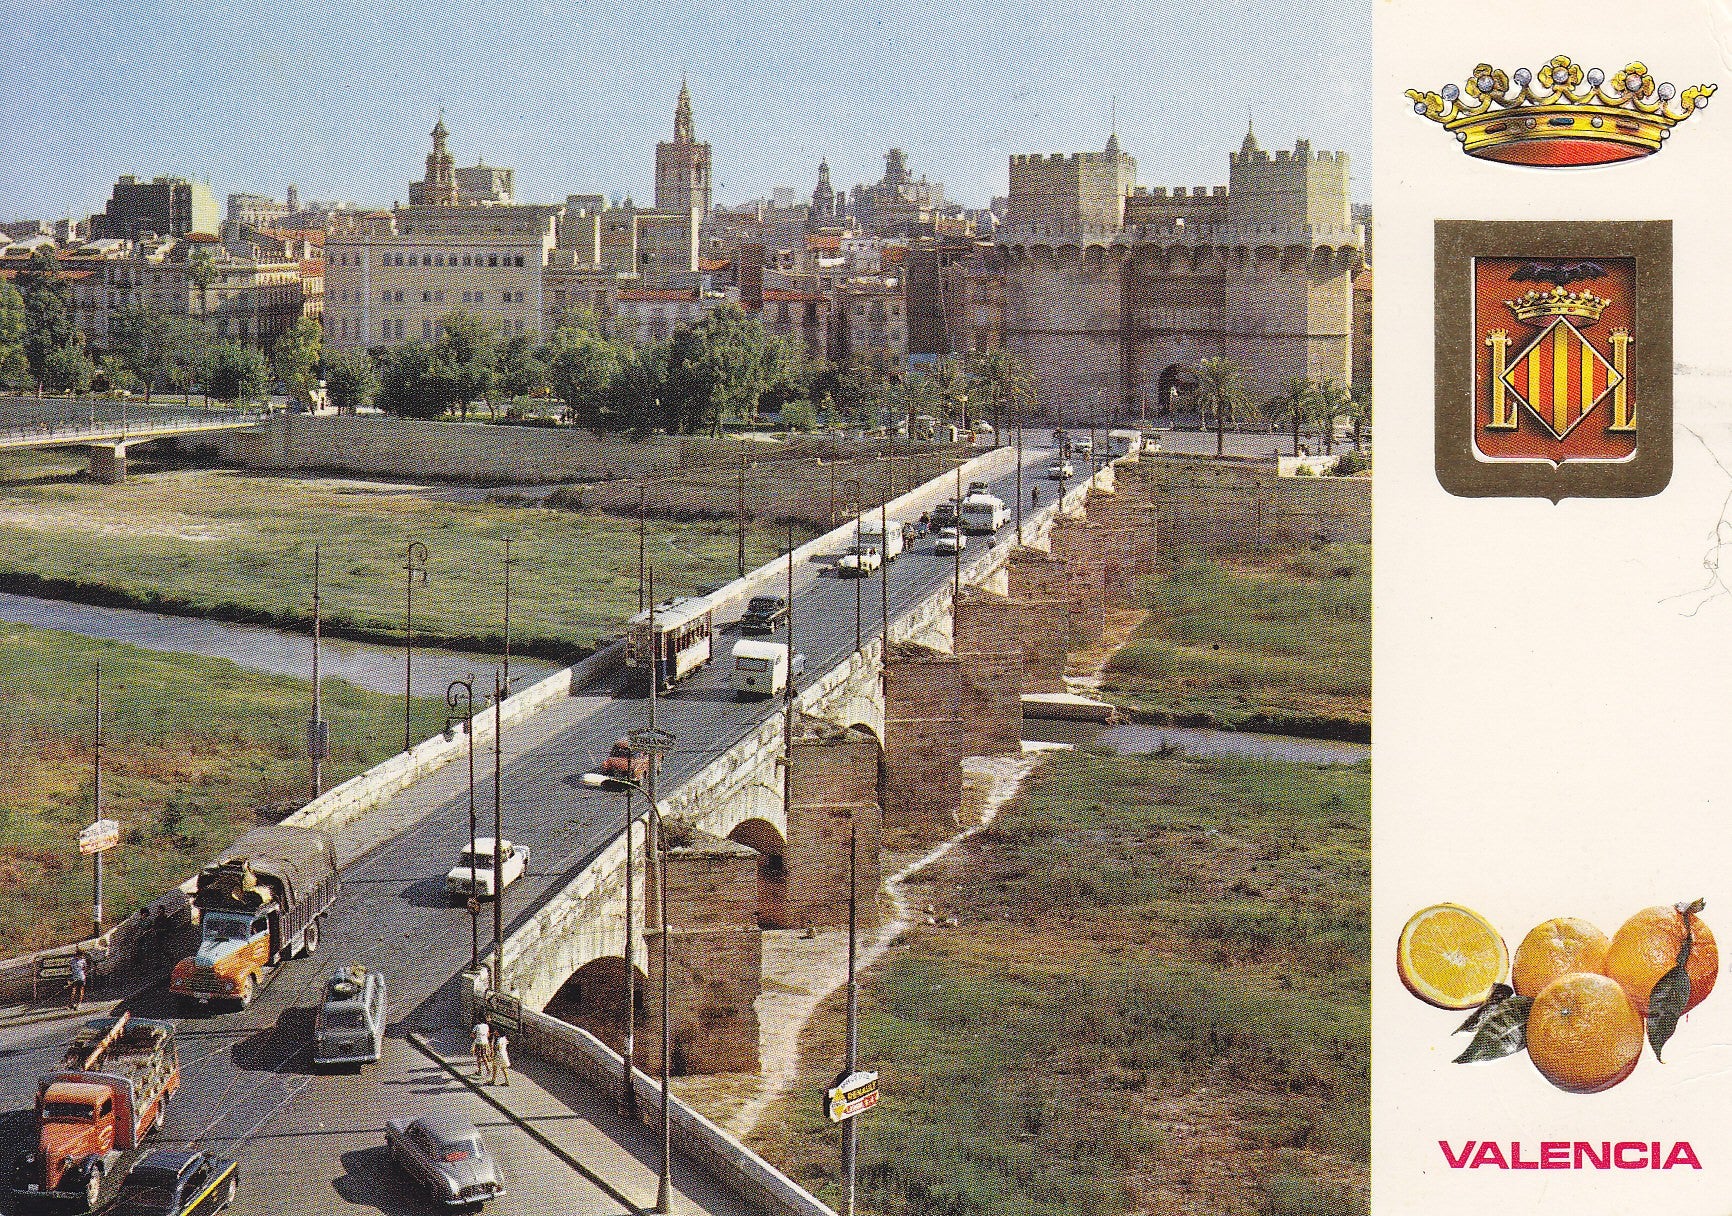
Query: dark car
[[944, 515], [176, 1182], [444, 1156], [763, 614], [350, 1025]]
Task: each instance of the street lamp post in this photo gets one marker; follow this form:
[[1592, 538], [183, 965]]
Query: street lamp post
[[851, 1135], [415, 563], [509, 561], [640, 546], [465, 689], [740, 511], [318, 741], [498, 831]]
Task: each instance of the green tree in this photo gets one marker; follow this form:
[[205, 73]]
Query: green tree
[[235, 372], [716, 370], [48, 323], [1221, 388], [14, 368], [409, 384], [201, 271], [997, 379], [464, 362], [1333, 402], [583, 367], [1359, 409], [861, 390], [640, 394], [295, 359], [522, 370], [350, 379], [67, 369], [1296, 405]]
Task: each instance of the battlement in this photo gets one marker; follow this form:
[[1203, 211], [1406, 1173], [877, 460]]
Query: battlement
[[1062, 160], [1300, 153]]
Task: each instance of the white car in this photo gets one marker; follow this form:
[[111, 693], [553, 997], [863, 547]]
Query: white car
[[473, 873], [949, 541], [859, 561], [1058, 470]]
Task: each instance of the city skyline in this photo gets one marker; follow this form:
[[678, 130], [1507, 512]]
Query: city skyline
[[228, 98]]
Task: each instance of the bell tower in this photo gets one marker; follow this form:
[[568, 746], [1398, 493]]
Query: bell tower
[[439, 188], [683, 164]]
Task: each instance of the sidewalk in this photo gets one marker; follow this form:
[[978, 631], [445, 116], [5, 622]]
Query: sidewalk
[[585, 1130]]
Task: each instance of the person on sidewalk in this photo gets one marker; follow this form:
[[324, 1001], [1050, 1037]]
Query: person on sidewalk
[[76, 980], [479, 1044], [501, 1059]]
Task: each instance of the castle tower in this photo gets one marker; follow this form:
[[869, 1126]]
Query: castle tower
[[439, 188], [683, 165]]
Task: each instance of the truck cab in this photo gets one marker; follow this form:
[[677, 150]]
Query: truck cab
[[626, 763], [890, 536]]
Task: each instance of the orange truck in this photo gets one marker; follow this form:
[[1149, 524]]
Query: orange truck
[[258, 903], [111, 1091]]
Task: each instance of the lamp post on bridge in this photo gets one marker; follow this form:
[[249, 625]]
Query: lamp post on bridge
[[415, 562], [464, 689]]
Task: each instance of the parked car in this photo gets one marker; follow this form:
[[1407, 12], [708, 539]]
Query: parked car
[[625, 763], [1058, 470], [944, 515], [950, 540], [763, 614], [978, 487], [444, 1156], [350, 1026], [473, 873], [859, 561], [176, 1182]]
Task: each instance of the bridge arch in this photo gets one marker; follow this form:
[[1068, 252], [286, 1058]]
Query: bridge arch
[[594, 998], [772, 849]]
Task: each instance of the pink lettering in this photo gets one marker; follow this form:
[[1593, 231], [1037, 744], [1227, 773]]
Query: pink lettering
[[1585, 1152], [1489, 1154], [1515, 1158], [1555, 1155], [1622, 1159], [1456, 1163], [1682, 1154]]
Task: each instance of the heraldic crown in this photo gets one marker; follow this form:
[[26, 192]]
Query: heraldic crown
[[1536, 307], [1560, 116]]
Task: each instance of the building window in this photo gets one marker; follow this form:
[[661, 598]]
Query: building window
[[493, 259], [426, 329], [426, 297], [426, 259], [439, 297], [520, 259]]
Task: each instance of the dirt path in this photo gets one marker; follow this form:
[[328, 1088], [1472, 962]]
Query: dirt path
[[801, 971]]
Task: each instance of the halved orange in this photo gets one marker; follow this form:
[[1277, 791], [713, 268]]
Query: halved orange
[[1450, 956]]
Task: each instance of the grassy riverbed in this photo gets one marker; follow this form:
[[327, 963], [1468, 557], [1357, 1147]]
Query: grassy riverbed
[[196, 751], [1278, 643], [1153, 997], [240, 547]]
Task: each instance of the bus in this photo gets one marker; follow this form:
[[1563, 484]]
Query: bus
[[679, 640]]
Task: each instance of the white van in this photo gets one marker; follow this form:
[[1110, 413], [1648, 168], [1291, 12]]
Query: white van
[[983, 513], [762, 669], [872, 532]]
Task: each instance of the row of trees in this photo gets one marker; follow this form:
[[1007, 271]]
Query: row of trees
[[1302, 403]]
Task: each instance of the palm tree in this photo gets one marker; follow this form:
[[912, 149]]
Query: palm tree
[[1332, 402], [1296, 404], [1221, 387], [1359, 409]]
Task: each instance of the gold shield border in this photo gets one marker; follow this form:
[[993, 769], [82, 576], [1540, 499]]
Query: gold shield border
[[1456, 244]]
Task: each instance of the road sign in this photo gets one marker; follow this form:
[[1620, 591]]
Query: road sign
[[103, 834], [653, 740], [851, 1095]]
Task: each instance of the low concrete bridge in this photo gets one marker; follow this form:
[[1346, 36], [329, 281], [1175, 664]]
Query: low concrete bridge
[[107, 428], [760, 835]]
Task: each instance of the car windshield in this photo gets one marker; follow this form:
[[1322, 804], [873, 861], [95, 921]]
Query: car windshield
[[67, 1112], [476, 861], [745, 664], [221, 927], [345, 1018], [459, 1150], [761, 604]]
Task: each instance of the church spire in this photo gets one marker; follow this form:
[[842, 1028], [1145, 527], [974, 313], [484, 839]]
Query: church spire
[[683, 130]]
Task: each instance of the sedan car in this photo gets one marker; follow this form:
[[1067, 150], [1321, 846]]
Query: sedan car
[[350, 1026], [763, 614], [444, 1156], [473, 873], [949, 541], [176, 1182], [1058, 470], [859, 561]]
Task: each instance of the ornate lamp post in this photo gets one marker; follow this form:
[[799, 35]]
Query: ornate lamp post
[[464, 690], [414, 564]]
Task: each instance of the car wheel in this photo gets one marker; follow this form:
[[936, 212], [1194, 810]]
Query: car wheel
[[245, 995], [310, 941], [93, 1188]]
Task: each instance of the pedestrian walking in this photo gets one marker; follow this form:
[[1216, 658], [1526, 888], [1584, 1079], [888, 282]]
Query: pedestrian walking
[[483, 1049], [501, 1059], [76, 979]]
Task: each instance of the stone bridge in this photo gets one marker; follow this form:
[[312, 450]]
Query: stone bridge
[[759, 838], [107, 428]]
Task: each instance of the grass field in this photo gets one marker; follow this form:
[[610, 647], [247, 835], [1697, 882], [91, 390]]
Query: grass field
[[239, 547], [1283, 643], [1155, 998], [195, 752]]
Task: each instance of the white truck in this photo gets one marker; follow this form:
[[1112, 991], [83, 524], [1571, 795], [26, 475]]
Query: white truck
[[890, 540], [983, 513], [763, 669]]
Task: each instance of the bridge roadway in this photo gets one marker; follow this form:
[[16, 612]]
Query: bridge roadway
[[40, 423], [310, 1142]]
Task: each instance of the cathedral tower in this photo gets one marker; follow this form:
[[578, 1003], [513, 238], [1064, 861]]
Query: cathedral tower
[[683, 166], [439, 189]]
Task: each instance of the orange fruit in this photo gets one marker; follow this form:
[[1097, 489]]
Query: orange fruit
[[1646, 946], [1557, 947], [1584, 1033], [1450, 956]]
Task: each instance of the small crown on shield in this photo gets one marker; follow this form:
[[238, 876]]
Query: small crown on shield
[[1560, 116], [1535, 307]]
